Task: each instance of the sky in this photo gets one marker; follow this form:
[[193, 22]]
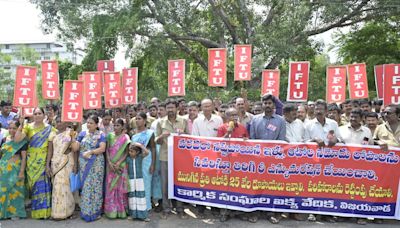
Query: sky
[[20, 22]]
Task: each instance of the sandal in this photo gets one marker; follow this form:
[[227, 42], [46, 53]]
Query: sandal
[[273, 220], [253, 218]]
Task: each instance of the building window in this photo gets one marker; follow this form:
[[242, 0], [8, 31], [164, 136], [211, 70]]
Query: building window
[[48, 46], [7, 46]]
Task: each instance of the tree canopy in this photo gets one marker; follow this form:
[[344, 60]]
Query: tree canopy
[[155, 31]]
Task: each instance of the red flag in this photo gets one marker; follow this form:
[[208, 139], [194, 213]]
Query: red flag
[[243, 62], [176, 77], [112, 90], [335, 84], [105, 65], [50, 80], [25, 87], [298, 81], [358, 85], [391, 90], [270, 82], [92, 90], [72, 104], [129, 86], [378, 72], [217, 67]]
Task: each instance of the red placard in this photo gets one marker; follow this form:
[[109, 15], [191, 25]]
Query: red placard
[[358, 84], [105, 65], [176, 77], [270, 82], [243, 62], [391, 90], [217, 67], [112, 89], [92, 90], [72, 104], [298, 81], [378, 72], [50, 80], [129, 86], [25, 87], [335, 84]]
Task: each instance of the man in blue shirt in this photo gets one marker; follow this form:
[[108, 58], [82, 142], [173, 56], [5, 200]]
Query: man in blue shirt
[[6, 114], [268, 126]]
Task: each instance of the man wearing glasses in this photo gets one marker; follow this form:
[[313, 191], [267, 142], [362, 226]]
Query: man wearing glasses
[[388, 133]]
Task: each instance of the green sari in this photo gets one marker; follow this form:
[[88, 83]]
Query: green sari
[[12, 191]]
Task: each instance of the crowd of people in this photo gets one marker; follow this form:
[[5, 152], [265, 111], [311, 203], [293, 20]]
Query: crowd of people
[[121, 155]]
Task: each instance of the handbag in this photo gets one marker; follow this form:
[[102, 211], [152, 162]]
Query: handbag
[[74, 181]]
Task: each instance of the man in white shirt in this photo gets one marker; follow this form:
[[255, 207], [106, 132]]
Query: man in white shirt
[[193, 112], [323, 131], [206, 124], [294, 127], [354, 132]]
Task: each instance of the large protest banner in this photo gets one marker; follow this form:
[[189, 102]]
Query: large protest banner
[[350, 181]]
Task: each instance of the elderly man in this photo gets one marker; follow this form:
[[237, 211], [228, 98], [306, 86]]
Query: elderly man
[[155, 101], [244, 117], [302, 113], [206, 124]]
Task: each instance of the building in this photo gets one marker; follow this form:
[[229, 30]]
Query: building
[[46, 50]]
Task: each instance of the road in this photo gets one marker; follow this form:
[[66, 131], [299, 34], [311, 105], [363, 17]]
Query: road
[[173, 221]]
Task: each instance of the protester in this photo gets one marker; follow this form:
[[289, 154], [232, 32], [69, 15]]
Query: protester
[[182, 106], [91, 145], [193, 110], [372, 121], [156, 180], [377, 106], [40, 136], [257, 108], [244, 116], [388, 134], [268, 126], [302, 113], [334, 113], [51, 114], [294, 127], [106, 125], [221, 112], [310, 110], [62, 165], [232, 129], [138, 208], [12, 175], [6, 114], [152, 111], [116, 198], [155, 101], [145, 137], [324, 132], [172, 123], [346, 108], [206, 124], [355, 133]]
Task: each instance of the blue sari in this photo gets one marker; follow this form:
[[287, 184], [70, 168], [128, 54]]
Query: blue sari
[[144, 165]]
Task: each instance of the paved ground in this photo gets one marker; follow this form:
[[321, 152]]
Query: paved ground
[[173, 221]]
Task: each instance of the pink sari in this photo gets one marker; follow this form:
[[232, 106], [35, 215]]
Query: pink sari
[[116, 198]]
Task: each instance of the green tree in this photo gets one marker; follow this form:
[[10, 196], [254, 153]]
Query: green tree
[[375, 43], [155, 31]]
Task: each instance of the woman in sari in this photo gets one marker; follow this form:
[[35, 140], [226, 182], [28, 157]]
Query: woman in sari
[[116, 198], [91, 145], [145, 137], [40, 136], [62, 165], [12, 176]]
